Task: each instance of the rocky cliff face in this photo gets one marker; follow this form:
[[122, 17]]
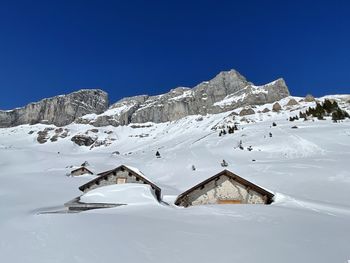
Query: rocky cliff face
[[227, 91], [59, 110]]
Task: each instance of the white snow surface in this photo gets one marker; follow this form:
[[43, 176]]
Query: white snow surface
[[234, 98], [306, 168], [121, 194]]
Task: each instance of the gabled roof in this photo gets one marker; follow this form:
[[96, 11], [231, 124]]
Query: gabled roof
[[235, 177], [82, 168], [132, 170]]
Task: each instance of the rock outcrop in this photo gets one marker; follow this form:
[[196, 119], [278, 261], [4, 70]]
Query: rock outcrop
[[227, 91], [246, 111], [82, 139], [51, 133], [292, 102], [59, 110], [276, 107], [309, 98]]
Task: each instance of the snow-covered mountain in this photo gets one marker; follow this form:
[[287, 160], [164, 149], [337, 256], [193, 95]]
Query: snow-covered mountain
[[227, 91], [304, 163]]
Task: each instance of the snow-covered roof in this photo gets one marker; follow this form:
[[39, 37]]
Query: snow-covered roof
[[133, 170], [120, 194]]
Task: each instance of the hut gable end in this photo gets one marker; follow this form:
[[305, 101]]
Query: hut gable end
[[80, 171], [224, 188], [119, 175]]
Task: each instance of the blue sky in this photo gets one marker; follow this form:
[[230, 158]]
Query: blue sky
[[148, 47]]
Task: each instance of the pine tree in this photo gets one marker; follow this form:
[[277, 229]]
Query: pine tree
[[339, 115], [224, 163], [319, 112], [240, 145], [330, 106]]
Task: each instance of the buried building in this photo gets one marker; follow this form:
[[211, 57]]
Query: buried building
[[224, 188], [120, 175], [80, 171]]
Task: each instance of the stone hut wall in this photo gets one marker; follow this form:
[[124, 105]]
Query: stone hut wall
[[222, 188], [79, 172], [111, 178]]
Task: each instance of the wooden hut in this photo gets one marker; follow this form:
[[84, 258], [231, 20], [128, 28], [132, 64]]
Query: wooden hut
[[80, 171], [224, 188], [120, 175]]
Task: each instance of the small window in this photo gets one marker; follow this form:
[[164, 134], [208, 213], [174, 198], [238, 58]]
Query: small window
[[229, 202], [121, 180]]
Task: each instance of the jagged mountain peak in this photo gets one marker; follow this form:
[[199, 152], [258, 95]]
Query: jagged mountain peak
[[226, 91], [229, 75]]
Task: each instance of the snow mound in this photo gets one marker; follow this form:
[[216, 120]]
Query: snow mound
[[121, 194]]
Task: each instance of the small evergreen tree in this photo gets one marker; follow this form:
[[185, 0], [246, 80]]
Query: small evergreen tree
[[339, 115], [231, 130], [157, 154], [240, 145], [224, 163], [302, 115], [318, 112]]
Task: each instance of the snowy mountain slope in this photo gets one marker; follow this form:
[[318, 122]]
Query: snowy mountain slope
[[307, 168]]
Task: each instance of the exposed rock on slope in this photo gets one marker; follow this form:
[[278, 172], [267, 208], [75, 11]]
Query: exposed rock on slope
[[246, 111], [309, 98], [292, 102], [82, 139], [59, 110], [276, 107], [227, 91]]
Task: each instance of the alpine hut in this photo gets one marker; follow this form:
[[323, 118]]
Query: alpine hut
[[120, 175], [224, 188], [80, 171]]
